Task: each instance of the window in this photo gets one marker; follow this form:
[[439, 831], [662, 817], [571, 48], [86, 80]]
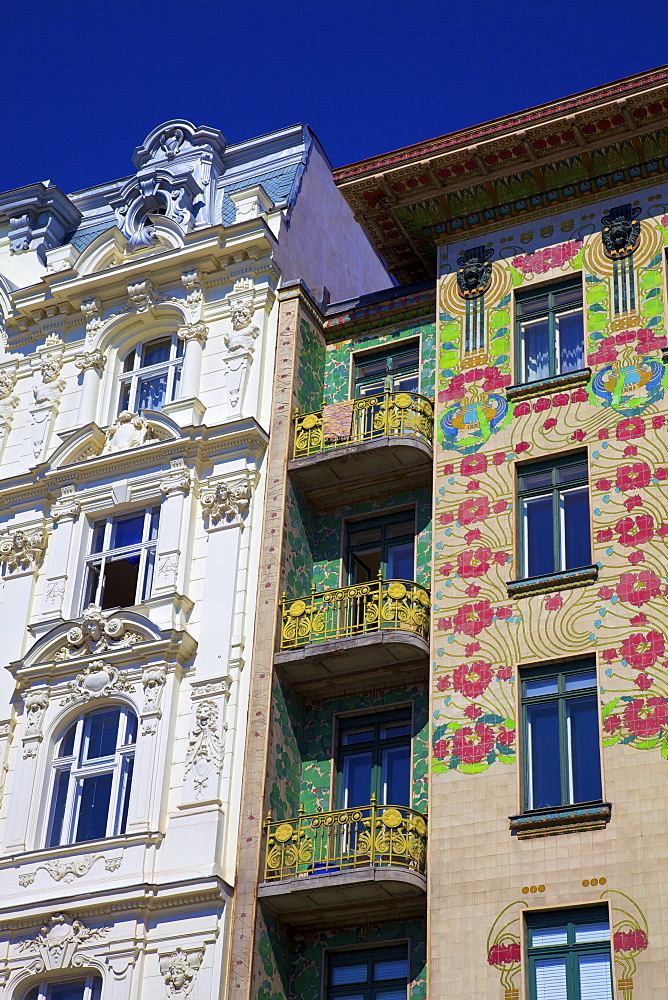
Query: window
[[119, 570], [92, 775], [151, 375], [550, 333], [394, 370], [374, 758], [554, 516], [374, 974], [89, 988], [569, 955], [383, 545], [562, 761]]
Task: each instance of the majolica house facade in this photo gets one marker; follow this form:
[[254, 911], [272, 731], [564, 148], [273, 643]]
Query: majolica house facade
[[458, 729], [139, 323]]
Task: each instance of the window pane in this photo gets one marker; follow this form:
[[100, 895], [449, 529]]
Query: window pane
[[541, 685], [595, 978], [400, 561], [535, 349], [124, 398], [153, 526], [576, 544], [126, 785], [66, 747], [598, 930], [586, 679], [569, 295], [94, 807], [405, 383], [365, 537], [148, 575], [356, 790], [98, 537], [358, 736], [406, 527], [525, 306], [60, 788], [151, 392], [548, 937], [130, 729], [409, 359], [157, 352], [538, 537], [67, 991], [102, 734], [551, 979], [391, 968], [127, 531], [396, 776], [570, 338], [397, 993], [341, 975], [543, 755], [536, 480], [573, 473], [120, 582], [585, 767], [394, 730]]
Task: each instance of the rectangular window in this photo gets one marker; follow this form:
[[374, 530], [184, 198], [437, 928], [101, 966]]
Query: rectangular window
[[569, 955], [374, 758], [119, 570], [553, 506], [561, 756], [384, 545], [373, 974], [393, 370], [550, 332]]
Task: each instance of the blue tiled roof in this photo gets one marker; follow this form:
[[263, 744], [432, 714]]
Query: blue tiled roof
[[277, 184], [82, 237]]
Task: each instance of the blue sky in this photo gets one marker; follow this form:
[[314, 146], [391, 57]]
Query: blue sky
[[83, 83]]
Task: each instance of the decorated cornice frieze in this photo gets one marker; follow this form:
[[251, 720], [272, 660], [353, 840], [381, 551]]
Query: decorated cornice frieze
[[22, 550], [226, 502], [95, 634], [177, 480], [66, 506], [56, 944], [69, 869]]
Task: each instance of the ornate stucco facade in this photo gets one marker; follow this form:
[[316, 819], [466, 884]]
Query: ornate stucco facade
[[560, 213], [139, 325]]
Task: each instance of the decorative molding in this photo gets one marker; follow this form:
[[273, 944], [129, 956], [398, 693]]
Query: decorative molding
[[129, 430], [226, 502], [69, 869], [177, 480], [46, 393], [96, 634], [142, 297], [168, 565], [474, 271], [205, 747], [153, 679], [8, 378], [621, 231], [98, 680], [91, 312], [59, 940], [240, 342], [35, 704], [90, 359], [66, 507], [23, 551], [179, 971]]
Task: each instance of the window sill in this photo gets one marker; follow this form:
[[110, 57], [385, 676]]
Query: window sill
[[545, 386], [564, 819], [552, 581], [106, 844]]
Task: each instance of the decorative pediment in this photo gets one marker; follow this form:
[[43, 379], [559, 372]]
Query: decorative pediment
[[128, 432]]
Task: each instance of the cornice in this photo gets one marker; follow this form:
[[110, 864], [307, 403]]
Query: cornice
[[363, 319]]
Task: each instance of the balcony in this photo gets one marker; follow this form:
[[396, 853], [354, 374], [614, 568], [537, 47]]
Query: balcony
[[368, 859], [379, 628], [342, 447]]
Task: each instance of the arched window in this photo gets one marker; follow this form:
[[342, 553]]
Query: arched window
[[151, 374], [92, 774], [89, 988]]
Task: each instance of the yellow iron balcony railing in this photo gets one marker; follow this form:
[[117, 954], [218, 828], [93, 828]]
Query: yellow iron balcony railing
[[385, 414], [330, 842], [355, 610]]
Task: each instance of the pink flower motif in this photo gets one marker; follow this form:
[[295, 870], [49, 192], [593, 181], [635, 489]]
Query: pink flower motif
[[445, 569], [448, 470], [632, 502], [506, 737], [472, 486], [447, 518], [630, 451], [579, 396], [471, 619], [473, 465], [642, 651], [604, 535], [522, 409], [603, 485], [472, 712], [662, 530], [634, 476], [471, 648], [503, 613], [635, 940], [553, 602], [658, 422], [605, 593], [499, 458], [505, 954], [444, 683], [501, 558], [636, 557], [632, 427], [604, 355], [522, 446], [609, 655], [472, 590], [578, 435], [612, 724], [541, 404], [661, 474], [472, 745], [603, 434], [638, 588], [640, 619], [444, 624], [500, 506], [645, 718], [549, 424], [474, 562], [473, 510], [473, 536], [634, 531], [504, 673], [643, 681], [560, 399], [441, 750]]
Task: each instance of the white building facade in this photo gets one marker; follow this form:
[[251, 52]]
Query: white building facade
[[139, 327]]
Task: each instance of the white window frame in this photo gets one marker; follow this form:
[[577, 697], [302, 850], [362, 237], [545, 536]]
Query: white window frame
[[145, 549], [118, 764], [92, 988], [130, 380]]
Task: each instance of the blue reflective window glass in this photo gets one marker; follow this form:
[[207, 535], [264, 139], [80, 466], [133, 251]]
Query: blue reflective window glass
[[577, 536], [94, 807], [101, 734], [582, 728], [542, 722], [539, 537]]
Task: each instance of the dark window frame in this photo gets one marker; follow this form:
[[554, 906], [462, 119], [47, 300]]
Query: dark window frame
[[390, 353], [572, 950], [376, 745], [369, 988], [551, 291], [557, 489], [383, 523], [560, 670]]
